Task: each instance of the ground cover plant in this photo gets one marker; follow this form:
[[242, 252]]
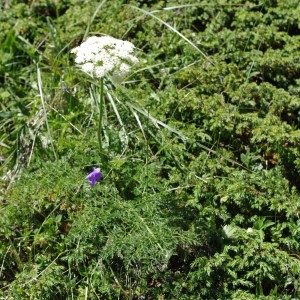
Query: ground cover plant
[[181, 181]]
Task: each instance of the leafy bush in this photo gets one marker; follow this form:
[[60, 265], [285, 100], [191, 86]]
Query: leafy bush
[[200, 195]]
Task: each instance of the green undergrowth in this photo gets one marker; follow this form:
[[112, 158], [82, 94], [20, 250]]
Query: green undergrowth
[[200, 194]]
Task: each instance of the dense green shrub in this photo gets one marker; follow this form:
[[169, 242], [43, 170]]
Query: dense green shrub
[[200, 195]]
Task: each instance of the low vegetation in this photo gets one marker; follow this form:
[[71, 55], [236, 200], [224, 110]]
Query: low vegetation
[[199, 152]]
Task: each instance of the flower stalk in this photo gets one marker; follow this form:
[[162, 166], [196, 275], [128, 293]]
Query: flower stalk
[[101, 108]]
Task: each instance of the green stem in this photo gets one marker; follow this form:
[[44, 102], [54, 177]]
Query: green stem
[[101, 103]]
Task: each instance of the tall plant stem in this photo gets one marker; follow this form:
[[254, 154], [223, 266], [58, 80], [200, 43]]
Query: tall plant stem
[[101, 108]]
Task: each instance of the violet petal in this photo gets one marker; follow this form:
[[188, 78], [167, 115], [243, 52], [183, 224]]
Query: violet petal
[[94, 176]]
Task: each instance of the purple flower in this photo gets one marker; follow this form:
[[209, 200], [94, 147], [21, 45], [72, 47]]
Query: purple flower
[[94, 176]]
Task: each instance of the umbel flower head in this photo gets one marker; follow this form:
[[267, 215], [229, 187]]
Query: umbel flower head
[[105, 56]]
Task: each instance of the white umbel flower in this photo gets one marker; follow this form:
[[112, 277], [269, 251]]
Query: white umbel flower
[[105, 56], [250, 230]]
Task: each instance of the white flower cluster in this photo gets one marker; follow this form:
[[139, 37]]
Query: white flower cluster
[[105, 56], [250, 230]]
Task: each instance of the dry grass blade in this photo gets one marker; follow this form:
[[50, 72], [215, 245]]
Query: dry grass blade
[[39, 78]]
